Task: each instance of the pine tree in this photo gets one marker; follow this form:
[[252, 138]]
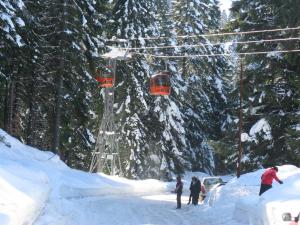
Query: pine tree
[[10, 53], [167, 140], [133, 20], [77, 46], [84, 97], [270, 87], [55, 46], [204, 96]]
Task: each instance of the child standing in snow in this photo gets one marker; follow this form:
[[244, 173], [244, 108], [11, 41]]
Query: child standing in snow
[[203, 194], [267, 179]]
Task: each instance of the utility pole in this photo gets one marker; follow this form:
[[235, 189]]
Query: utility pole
[[240, 148]]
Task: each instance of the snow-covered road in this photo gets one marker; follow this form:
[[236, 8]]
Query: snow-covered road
[[127, 210], [117, 210]]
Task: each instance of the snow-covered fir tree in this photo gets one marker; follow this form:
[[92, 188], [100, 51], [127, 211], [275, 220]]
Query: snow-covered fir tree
[[11, 42], [271, 93], [50, 86], [204, 95], [71, 50], [133, 19], [50, 51], [171, 137]]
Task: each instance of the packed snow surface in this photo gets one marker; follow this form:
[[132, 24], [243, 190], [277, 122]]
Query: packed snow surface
[[37, 188]]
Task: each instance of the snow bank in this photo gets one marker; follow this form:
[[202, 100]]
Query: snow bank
[[23, 205], [29, 178], [23, 193], [238, 201], [268, 208], [121, 186]]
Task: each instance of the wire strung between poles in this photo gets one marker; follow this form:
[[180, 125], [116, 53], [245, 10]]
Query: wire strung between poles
[[210, 35], [212, 44], [214, 55]]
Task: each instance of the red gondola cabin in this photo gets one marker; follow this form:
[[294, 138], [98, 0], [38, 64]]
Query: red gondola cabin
[[105, 78], [160, 84]]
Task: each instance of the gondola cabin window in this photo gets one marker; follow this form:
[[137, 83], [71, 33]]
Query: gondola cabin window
[[105, 77], [160, 84]]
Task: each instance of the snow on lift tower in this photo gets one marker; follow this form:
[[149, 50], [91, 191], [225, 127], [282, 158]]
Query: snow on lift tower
[[116, 52], [160, 83], [106, 77]]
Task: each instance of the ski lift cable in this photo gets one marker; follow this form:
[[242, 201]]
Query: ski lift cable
[[219, 54], [211, 34], [213, 44]]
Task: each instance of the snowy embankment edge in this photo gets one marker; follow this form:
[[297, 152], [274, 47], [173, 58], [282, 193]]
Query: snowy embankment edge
[[27, 203], [253, 209], [23, 193], [37, 208], [67, 191]]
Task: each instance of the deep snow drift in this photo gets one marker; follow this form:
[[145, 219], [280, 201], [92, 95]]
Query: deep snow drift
[[37, 188]]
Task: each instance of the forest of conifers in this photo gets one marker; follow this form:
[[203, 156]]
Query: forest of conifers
[[50, 51]]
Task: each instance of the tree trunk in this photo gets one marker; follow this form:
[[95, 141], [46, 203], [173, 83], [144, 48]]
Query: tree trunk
[[59, 86], [32, 120], [184, 69], [240, 150], [9, 103], [57, 117]]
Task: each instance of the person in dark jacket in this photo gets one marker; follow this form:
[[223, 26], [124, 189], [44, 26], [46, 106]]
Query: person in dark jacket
[[191, 194], [197, 191], [195, 188], [267, 179], [178, 191]]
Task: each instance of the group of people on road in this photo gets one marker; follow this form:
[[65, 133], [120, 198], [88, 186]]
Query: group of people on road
[[195, 189]]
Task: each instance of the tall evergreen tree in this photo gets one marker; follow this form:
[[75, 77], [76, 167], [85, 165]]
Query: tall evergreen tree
[[71, 47], [11, 52], [55, 46], [133, 20], [271, 96], [171, 137], [204, 97]]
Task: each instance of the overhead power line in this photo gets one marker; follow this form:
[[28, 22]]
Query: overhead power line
[[211, 34], [212, 44], [215, 55]]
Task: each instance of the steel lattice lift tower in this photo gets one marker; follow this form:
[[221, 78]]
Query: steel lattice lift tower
[[105, 157]]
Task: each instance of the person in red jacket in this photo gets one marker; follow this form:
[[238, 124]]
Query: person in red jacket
[[267, 179]]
